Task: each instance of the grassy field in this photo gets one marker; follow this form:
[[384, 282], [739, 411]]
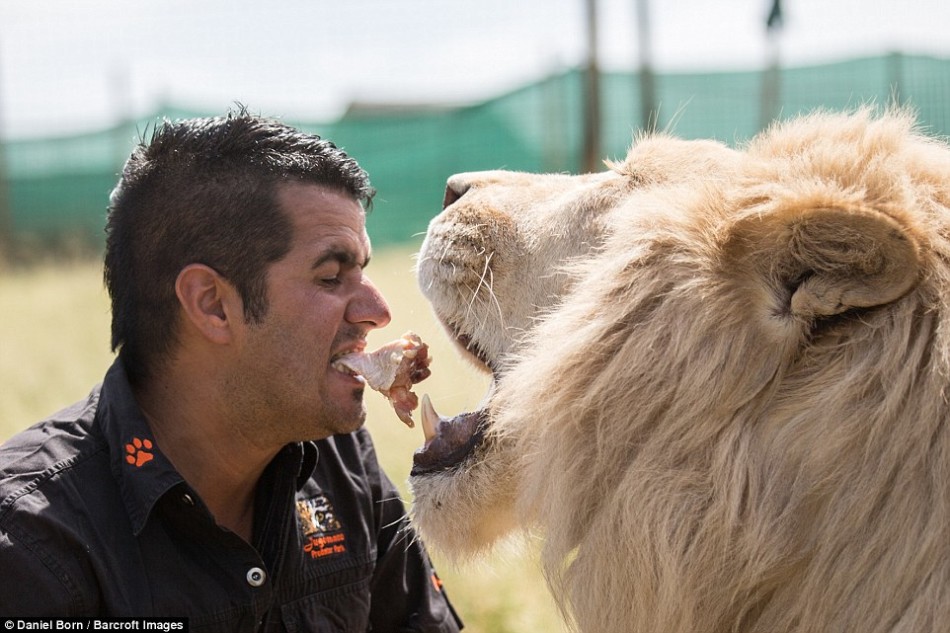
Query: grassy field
[[54, 346]]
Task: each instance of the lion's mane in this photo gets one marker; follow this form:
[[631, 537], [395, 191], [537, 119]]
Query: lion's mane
[[737, 420]]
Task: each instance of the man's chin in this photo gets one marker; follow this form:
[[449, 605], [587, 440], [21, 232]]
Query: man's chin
[[348, 419], [338, 420], [354, 424]]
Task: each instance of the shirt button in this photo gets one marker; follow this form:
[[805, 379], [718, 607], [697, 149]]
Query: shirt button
[[256, 576], [187, 500]]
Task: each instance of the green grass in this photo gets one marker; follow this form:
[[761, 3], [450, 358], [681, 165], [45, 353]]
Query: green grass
[[54, 346]]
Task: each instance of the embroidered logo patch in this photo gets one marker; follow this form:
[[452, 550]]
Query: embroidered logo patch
[[138, 452], [322, 532]]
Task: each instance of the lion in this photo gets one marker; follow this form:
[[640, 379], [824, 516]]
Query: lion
[[720, 379]]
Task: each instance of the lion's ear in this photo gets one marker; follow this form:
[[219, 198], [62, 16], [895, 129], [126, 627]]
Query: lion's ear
[[828, 260]]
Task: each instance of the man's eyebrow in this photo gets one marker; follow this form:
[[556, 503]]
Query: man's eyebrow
[[341, 256]]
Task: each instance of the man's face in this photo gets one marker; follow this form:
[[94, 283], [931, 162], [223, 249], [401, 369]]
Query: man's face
[[320, 306]]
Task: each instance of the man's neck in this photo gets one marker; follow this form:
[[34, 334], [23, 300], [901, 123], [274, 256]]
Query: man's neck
[[199, 438]]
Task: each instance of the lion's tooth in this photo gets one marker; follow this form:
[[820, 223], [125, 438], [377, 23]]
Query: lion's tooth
[[430, 419]]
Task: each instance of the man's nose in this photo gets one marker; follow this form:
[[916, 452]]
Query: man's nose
[[369, 306]]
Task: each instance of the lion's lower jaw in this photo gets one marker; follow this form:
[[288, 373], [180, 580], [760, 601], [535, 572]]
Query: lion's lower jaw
[[464, 511]]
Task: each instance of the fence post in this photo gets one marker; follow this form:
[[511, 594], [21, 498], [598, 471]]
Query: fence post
[[771, 77], [6, 204], [649, 114], [591, 158]]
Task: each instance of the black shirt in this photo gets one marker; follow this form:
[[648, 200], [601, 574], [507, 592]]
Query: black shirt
[[94, 520]]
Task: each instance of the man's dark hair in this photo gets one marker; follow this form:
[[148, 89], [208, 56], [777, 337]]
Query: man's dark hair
[[205, 191]]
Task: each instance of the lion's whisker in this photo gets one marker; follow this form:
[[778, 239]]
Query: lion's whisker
[[494, 297]]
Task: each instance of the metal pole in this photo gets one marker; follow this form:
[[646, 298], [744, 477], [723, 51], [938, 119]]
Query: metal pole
[[591, 159], [771, 78], [6, 205], [648, 109]]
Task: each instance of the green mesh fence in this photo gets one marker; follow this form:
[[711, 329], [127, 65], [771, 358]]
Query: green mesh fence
[[62, 185]]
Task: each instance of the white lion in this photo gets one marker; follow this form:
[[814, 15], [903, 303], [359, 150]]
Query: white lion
[[720, 380]]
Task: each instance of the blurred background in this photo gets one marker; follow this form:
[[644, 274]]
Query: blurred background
[[420, 89], [416, 90]]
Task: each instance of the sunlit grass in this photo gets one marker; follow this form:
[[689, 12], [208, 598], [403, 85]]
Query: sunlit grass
[[54, 340], [54, 346]]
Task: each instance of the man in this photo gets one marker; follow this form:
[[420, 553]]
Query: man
[[221, 471]]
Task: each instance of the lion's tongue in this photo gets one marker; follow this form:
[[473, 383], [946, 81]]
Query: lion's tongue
[[448, 440]]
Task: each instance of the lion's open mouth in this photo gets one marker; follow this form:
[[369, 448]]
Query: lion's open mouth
[[450, 439], [471, 349]]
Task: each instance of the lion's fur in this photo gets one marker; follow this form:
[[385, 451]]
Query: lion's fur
[[737, 419]]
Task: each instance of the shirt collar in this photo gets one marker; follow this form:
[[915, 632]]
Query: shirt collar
[[142, 471], [308, 462]]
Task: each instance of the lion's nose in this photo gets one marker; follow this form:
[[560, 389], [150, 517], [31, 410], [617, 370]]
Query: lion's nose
[[455, 188]]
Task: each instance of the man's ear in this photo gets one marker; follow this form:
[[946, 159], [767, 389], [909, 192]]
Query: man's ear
[[210, 303]]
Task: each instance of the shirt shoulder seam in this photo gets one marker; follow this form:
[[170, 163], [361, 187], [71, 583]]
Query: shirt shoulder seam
[[8, 502], [62, 577]]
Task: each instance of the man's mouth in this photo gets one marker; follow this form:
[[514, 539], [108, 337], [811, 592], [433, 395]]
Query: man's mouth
[[352, 348]]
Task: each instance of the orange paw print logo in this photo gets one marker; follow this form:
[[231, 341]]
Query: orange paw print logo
[[138, 452]]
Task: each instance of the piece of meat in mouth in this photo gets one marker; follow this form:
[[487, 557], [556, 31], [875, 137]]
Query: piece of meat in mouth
[[393, 370]]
